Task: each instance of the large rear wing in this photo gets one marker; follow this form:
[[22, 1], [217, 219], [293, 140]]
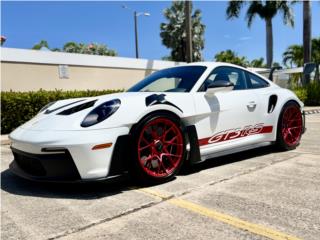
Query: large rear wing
[[282, 76], [307, 69]]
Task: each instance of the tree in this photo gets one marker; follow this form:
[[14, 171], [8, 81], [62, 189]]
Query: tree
[[276, 64], [307, 31], [187, 13], [173, 33], [316, 50], [266, 10], [71, 47], [99, 49], [306, 35], [56, 50], [41, 44], [230, 56], [92, 49], [258, 63], [294, 54]]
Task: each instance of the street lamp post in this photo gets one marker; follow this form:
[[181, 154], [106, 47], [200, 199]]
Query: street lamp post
[[135, 17], [136, 32]]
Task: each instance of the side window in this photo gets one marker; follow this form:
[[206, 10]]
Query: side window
[[229, 74], [256, 82]]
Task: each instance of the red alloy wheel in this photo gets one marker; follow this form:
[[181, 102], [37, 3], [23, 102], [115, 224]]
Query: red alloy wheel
[[160, 147], [291, 125]]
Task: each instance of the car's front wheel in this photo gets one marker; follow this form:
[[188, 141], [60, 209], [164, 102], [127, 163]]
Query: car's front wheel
[[159, 147], [290, 126]]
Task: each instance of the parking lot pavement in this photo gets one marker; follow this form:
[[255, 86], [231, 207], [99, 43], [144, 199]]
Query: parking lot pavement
[[257, 194]]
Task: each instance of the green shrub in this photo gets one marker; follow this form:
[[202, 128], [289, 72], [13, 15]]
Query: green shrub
[[19, 107], [309, 94], [313, 90], [301, 93]]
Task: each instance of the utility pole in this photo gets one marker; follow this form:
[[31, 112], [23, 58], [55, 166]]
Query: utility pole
[[187, 10]]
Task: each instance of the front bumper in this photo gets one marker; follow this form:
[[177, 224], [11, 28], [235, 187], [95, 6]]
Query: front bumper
[[44, 167], [65, 155]]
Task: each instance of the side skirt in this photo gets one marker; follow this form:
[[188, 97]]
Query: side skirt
[[234, 150]]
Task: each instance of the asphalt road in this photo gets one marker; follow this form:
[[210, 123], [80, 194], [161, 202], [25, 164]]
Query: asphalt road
[[257, 194]]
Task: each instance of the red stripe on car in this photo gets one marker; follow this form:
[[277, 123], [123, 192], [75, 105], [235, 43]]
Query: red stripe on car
[[231, 134]]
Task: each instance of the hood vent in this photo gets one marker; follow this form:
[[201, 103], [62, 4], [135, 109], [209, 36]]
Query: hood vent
[[77, 108], [48, 111]]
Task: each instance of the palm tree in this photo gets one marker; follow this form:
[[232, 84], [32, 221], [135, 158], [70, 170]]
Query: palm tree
[[306, 35], [266, 10], [293, 55], [174, 36], [187, 13], [306, 31], [230, 56]]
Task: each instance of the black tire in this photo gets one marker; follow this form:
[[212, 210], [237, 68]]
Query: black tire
[[143, 167], [289, 140]]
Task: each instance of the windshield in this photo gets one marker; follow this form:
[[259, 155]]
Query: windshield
[[176, 79]]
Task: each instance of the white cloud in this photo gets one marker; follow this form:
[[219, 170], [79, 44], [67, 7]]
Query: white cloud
[[245, 38]]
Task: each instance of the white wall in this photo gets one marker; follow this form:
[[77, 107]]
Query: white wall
[[25, 70]]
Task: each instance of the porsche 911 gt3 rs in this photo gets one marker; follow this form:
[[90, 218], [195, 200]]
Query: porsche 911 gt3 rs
[[181, 115]]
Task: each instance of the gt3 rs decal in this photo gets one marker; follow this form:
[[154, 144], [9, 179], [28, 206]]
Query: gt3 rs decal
[[231, 134]]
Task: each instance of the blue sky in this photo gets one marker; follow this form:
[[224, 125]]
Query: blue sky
[[26, 23]]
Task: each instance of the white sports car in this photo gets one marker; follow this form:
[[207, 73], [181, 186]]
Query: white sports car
[[180, 115]]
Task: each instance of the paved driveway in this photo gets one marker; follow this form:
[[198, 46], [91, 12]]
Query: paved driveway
[[257, 194]]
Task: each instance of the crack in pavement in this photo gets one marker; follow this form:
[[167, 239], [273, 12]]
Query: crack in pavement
[[247, 171], [302, 152], [125, 213]]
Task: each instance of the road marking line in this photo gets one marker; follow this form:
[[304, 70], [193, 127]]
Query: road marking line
[[233, 221], [153, 193]]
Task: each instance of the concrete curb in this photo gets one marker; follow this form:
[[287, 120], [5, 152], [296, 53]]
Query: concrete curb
[[312, 111], [5, 140], [308, 110]]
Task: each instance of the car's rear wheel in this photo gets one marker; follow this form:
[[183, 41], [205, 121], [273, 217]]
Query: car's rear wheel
[[159, 147], [290, 126]]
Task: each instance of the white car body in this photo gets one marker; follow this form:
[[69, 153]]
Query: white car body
[[225, 122]]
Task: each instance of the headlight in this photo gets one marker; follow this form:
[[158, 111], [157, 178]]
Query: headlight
[[101, 113], [47, 106]]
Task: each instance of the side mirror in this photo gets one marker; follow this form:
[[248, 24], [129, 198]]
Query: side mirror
[[219, 86], [308, 68]]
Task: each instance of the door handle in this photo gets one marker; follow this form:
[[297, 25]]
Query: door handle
[[251, 104]]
